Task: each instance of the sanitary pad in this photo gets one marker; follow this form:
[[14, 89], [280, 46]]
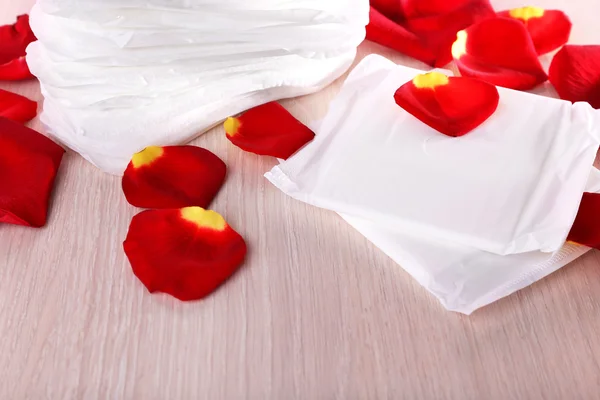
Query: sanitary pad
[[512, 185], [118, 76], [473, 219]]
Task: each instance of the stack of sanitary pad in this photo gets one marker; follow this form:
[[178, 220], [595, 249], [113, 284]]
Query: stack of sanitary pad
[[119, 75]]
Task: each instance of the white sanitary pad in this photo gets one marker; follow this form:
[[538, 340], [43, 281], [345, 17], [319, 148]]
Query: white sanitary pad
[[522, 172], [473, 219], [118, 76]]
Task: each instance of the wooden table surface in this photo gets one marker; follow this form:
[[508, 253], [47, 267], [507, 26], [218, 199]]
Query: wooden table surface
[[317, 312]]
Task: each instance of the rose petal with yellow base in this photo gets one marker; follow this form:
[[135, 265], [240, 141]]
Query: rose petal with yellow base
[[173, 177], [424, 30], [187, 253], [499, 51], [453, 106], [549, 29], [268, 130]]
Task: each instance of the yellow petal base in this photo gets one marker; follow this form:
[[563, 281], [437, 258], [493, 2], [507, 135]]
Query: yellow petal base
[[526, 13], [430, 80], [147, 156], [232, 126], [459, 47], [206, 219]]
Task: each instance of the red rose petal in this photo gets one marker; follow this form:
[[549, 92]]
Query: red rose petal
[[499, 51], [420, 8], [438, 31], [16, 107], [15, 70], [586, 228], [388, 33], [549, 29], [424, 30], [187, 253], [14, 39], [268, 130], [173, 177], [575, 74], [28, 165], [452, 105], [392, 9]]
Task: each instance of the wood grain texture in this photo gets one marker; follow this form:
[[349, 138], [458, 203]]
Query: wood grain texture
[[317, 312]]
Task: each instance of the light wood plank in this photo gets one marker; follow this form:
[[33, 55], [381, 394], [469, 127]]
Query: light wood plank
[[317, 312]]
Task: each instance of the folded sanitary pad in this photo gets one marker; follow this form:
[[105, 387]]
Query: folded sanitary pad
[[474, 218], [522, 172]]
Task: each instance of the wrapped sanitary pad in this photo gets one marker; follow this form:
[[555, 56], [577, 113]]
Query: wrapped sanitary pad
[[118, 76], [473, 219], [512, 185]]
